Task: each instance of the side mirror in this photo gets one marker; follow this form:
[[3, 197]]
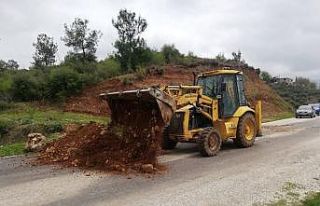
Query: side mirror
[[223, 87], [194, 78]]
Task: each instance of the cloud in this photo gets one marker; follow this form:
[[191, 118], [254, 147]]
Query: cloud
[[280, 36]]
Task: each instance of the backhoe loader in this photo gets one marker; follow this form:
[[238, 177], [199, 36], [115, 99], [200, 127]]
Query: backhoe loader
[[208, 113]]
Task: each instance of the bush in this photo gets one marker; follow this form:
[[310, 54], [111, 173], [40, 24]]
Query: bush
[[127, 80], [157, 58], [141, 73], [25, 87], [4, 105], [5, 82], [52, 127], [108, 68], [63, 82], [4, 127]]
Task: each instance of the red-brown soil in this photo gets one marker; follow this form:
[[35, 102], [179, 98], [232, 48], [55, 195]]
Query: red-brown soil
[[131, 142], [88, 101]]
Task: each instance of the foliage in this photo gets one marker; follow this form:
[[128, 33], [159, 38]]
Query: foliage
[[157, 58], [237, 56], [130, 46], [5, 105], [9, 65], [221, 59], [12, 149], [108, 68], [5, 84], [265, 76], [171, 53], [302, 91], [63, 82], [46, 49], [25, 87], [82, 40], [312, 199], [17, 122]]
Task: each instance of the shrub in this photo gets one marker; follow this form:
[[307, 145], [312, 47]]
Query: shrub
[[127, 80], [157, 58], [52, 127], [141, 73], [25, 87], [4, 105], [108, 68], [4, 127], [155, 70], [5, 82], [63, 82]]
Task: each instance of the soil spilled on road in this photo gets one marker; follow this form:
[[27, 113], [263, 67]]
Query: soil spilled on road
[[130, 143]]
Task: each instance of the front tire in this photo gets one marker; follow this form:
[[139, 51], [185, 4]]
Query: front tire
[[209, 142], [167, 143], [246, 131]]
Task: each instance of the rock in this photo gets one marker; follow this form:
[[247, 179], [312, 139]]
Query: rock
[[35, 142], [103, 132], [75, 162], [147, 168], [50, 150]]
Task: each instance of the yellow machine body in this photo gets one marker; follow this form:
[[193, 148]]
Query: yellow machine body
[[188, 96], [210, 112]]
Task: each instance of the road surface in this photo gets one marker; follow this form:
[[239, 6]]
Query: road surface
[[233, 177]]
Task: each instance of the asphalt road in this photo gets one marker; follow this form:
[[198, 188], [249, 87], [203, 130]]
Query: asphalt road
[[233, 177]]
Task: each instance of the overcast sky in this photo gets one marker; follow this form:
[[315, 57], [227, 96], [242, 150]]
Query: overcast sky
[[279, 36]]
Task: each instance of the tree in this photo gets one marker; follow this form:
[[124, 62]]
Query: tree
[[9, 65], [237, 56], [3, 65], [12, 64], [46, 49], [265, 76], [221, 59], [83, 40], [131, 47], [170, 53]]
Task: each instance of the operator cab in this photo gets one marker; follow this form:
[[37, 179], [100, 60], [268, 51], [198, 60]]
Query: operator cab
[[228, 88]]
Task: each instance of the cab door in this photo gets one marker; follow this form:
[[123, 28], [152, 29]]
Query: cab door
[[230, 100]]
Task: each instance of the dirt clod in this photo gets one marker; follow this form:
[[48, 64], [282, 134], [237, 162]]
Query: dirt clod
[[147, 168]]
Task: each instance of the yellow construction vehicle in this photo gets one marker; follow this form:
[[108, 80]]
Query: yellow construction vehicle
[[210, 112]]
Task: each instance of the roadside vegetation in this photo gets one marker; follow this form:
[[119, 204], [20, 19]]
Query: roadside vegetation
[[292, 194], [23, 118], [299, 92]]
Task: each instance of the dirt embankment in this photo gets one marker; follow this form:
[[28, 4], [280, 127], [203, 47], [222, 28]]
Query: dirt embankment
[[89, 102]]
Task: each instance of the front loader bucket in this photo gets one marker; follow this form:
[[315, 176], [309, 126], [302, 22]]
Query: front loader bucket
[[131, 105]]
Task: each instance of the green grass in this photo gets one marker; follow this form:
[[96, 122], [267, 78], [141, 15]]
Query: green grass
[[290, 195], [312, 200], [280, 116], [17, 122], [12, 149], [34, 115]]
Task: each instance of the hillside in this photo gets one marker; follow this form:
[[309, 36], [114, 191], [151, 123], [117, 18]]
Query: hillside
[[88, 102]]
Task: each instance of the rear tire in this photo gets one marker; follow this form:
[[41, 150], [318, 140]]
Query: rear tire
[[167, 143], [246, 131], [209, 142]]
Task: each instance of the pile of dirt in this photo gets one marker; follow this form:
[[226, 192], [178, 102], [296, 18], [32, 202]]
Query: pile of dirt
[[88, 101], [131, 142]]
